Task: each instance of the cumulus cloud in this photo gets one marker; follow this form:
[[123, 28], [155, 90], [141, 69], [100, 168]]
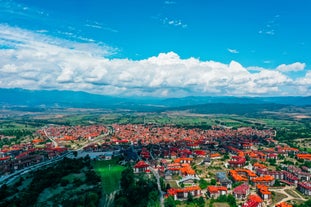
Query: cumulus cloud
[[304, 84], [294, 67], [35, 61]]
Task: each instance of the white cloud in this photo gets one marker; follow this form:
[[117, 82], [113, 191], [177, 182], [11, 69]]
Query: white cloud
[[96, 26], [36, 61], [234, 51], [304, 85], [169, 2], [267, 61], [270, 32], [294, 67], [174, 22], [271, 26]]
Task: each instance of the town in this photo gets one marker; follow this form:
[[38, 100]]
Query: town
[[246, 164]]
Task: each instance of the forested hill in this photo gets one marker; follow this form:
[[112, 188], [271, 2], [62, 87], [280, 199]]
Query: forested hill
[[54, 98], [244, 109]]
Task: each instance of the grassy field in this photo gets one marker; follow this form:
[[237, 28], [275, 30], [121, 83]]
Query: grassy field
[[278, 197], [220, 205], [292, 193], [110, 173]]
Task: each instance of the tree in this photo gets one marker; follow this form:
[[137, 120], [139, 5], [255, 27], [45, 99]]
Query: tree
[[64, 182], [226, 156], [231, 200], [305, 204], [75, 153], [281, 157], [213, 181], [153, 198], [162, 184], [190, 198], [121, 202], [201, 202], [272, 161], [127, 178], [3, 191], [92, 177], [203, 183], [247, 158], [222, 198], [277, 183], [170, 202]]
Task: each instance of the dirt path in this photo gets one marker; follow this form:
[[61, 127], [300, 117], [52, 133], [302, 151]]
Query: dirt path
[[288, 196]]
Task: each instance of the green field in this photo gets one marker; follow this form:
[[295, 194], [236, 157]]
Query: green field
[[110, 173]]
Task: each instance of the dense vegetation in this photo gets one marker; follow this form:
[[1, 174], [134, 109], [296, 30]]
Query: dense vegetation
[[305, 204], [54, 177], [15, 135], [223, 198], [137, 190]]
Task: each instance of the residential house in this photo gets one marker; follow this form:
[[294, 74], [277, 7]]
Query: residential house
[[253, 201], [305, 188], [290, 178], [264, 192], [216, 191], [182, 193], [222, 178], [207, 161], [283, 204], [190, 179], [237, 162], [264, 180], [241, 192], [141, 167]]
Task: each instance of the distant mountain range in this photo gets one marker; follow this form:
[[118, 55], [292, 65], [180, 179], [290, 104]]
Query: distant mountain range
[[60, 99]]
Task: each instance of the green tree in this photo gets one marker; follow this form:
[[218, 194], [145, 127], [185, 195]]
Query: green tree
[[201, 202], [231, 200], [170, 202], [127, 178], [153, 198], [272, 161], [189, 198], [203, 183], [162, 184], [3, 191], [213, 181], [305, 204], [121, 202], [277, 183]]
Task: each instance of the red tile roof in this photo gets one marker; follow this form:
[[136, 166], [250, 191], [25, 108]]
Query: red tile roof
[[241, 189], [141, 164], [215, 189]]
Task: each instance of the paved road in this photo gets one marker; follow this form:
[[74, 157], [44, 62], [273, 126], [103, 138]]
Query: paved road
[[11, 177], [156, 175], [50, 138]]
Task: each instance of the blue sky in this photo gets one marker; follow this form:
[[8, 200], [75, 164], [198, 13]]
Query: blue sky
[[157, 47]]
